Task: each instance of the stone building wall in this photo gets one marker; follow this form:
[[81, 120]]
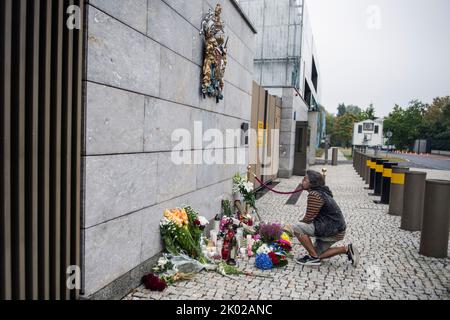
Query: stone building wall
[[144, 63]]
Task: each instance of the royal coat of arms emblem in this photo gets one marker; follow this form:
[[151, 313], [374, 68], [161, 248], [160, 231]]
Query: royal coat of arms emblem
[[215, 61]]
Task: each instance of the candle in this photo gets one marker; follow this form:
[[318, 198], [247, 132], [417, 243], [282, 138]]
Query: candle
[[249, 245], [213, 236], [219, 246]]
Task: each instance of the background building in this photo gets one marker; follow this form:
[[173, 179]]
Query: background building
[[286, 65], [368, 133]]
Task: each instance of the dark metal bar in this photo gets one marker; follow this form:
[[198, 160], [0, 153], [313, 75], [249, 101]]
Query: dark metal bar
[[55, 155], [31, 147], [76, 146], [44, 150], [66, 151], [5, 144], [18, 148]]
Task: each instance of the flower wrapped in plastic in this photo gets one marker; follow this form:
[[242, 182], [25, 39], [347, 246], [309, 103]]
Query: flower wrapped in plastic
[[180, 234]]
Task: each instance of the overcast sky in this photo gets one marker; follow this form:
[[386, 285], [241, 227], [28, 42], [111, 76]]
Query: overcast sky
[[381, 51]]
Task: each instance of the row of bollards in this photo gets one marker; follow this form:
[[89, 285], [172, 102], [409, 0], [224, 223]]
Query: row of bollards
[[422, 204]]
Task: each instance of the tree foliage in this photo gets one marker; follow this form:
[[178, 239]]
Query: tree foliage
[[340, 127], [420, 121]]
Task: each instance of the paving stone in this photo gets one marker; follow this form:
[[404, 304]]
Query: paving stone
[[390, 266]]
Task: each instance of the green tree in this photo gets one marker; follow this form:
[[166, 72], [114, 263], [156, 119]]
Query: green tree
[[368, 114], [341, 110], [343, 129], [406, 125], [355, 110], [437, 123]]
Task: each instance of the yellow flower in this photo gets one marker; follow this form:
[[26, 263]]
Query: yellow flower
[[285, 237], [178, 216]]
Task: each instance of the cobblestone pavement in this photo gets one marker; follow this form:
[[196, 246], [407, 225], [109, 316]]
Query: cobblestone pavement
[[390, 266]]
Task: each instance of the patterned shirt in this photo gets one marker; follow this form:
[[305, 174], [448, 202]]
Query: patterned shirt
[[314, 204]]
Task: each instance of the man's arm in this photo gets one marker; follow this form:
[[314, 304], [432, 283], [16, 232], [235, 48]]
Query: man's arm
[[313, 207]]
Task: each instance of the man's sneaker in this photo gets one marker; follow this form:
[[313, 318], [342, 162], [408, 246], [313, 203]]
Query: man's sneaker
[[353, 255], [308, 261]]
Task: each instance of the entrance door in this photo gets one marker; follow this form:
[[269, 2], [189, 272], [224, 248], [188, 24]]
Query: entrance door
[[301, 137]]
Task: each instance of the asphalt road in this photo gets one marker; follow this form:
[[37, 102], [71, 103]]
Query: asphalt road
[[424, 161]]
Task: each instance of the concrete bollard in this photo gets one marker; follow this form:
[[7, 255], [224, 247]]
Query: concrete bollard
[[360, 161], [367, 169], [413, 200], [397, 191], [436, 219], [378, 176], [365, 174], [373, 165], [358, 155], [386, 182], [334, 160], [361, 165]]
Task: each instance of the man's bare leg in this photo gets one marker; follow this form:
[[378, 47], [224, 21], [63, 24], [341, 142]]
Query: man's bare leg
[[334, 252], [307, 243]]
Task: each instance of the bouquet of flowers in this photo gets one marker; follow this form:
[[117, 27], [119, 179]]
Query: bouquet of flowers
[[270, 232], [181, 232], [273, 249], [243, 186], [170, 269]]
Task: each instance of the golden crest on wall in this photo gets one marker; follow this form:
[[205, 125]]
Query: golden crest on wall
[[215, 61]]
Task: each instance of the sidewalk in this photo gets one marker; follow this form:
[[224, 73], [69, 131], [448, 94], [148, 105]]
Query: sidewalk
[[390, 266], [341, 156]]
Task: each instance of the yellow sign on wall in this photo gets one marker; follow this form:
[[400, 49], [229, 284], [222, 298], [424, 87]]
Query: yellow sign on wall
[[260, 141]]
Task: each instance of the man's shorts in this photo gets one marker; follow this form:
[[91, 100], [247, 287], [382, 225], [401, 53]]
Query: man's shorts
[[321, 244]]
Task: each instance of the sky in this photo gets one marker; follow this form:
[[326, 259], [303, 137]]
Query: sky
[[384, 52]]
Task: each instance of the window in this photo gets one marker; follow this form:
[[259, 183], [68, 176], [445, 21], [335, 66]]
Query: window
[[315, 75], [368, 126], [376, 129], [360, 128], [307, 94]]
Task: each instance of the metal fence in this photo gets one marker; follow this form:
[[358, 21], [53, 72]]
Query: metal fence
[[41, 70]]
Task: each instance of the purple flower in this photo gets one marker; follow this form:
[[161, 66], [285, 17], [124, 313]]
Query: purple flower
[[270, 232]]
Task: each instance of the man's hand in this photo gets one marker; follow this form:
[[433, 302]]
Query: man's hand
[[288, 228]]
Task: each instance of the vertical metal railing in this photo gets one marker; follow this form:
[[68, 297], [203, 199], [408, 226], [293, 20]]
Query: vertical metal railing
[[41, 70]]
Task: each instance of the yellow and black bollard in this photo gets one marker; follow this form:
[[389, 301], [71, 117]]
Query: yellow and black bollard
[[367, 169], [378, 176], [373, 165], [397, 191], [386, 182]]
